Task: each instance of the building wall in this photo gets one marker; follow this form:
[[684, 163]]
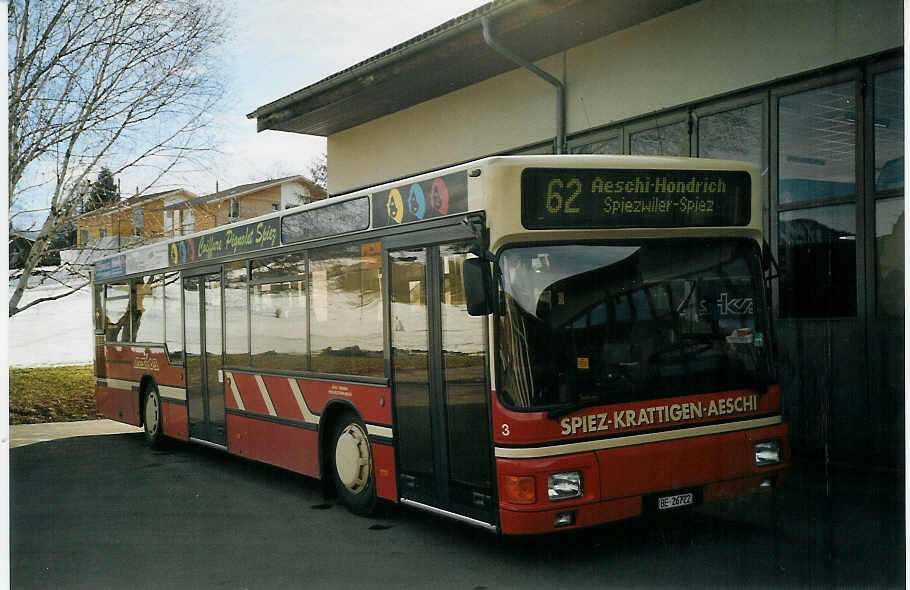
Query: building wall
[[295, 193], [703, 50], [113, 223], [251, 205], [120, 221], [798, 87], [205, 216]]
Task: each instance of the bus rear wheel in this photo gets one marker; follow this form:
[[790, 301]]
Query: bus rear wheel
[[151, 405], [352, 466]]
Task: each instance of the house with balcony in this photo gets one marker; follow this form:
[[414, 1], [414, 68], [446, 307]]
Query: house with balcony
[[135, 220], [240, 202], [142, 219]]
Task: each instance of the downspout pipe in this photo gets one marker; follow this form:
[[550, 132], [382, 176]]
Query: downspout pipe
[[493, 43]]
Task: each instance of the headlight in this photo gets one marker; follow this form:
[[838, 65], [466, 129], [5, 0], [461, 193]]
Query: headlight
[[562, 486], [767, 453]]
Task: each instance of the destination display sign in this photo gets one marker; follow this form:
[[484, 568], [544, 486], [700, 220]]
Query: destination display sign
[[431, 198], [235, 240], [559, 198]]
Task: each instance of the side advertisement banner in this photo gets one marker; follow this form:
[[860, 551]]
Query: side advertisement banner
[[236, 240], [427, 199]]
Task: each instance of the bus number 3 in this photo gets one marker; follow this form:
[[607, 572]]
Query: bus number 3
[[555, 201], [506, 431]]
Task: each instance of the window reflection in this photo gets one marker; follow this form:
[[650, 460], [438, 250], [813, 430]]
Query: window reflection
[[464, 372], [889, 130], [148, 309], [889, 256], [410, 343], [610, 145], [116, 311], [279, 267], [817, 131], [173, 317], [236, 316], [333, 219], [279, 325], [669, 140], [732, 135], [817, 251], [346, 310]]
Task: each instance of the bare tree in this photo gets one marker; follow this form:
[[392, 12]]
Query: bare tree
[[123, 83], [319, 170]]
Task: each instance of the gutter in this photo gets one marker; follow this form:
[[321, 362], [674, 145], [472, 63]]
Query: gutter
[[364, 69], [493, 43]]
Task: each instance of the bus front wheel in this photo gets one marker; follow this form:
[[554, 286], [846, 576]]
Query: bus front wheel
[[151, 405], [352, 466]]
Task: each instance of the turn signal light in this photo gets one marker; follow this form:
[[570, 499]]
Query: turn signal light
[[520, 489]]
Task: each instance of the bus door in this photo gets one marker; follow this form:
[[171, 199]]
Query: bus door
[[204, 378], [439, 383]]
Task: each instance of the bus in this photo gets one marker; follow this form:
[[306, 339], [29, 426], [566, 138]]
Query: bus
[[526, 344]]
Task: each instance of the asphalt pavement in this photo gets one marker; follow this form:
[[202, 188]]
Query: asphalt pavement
[[104, 511]]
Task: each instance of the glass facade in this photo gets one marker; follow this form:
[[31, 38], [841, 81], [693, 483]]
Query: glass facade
[[816, 191], [817, 144], [889, 130], [888, 146], [608, 145], [666, 140], [889, 256], [830, 146], [817, 251], [732, 135]]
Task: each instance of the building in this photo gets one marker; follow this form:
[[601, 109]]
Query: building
[[148, 218], [240, 202], [134, 220], [811, 91]]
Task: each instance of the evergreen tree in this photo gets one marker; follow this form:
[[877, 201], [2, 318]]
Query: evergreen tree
[[104, 192]]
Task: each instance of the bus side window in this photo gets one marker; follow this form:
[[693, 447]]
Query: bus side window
[[117, 312]]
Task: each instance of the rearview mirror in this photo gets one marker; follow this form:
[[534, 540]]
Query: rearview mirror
[[476, 287]]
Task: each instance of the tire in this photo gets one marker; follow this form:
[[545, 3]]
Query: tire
[[152, 416], [352, 465]]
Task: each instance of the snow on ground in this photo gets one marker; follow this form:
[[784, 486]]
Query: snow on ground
[[60, 332], [51, 333]]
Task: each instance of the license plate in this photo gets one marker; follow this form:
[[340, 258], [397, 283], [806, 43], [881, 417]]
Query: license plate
[[675, 501]]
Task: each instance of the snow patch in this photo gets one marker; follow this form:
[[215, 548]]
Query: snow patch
[[54, 332]]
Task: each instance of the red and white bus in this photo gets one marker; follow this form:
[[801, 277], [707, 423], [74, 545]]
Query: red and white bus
[[526, 344]]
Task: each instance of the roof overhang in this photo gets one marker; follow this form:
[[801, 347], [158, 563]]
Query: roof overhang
[[449, 57]]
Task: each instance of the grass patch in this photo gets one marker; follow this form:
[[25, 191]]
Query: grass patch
[[51, 394]]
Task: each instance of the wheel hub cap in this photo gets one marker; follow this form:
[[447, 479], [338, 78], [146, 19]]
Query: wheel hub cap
[[352, 458], [152, 417]]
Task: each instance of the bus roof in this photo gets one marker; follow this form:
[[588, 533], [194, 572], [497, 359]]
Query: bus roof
[[418, 198]]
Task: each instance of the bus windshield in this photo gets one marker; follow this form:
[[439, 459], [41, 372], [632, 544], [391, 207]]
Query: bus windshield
[[598, 324]]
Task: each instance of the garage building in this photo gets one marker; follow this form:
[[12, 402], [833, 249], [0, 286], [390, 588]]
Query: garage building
[[812, 91]]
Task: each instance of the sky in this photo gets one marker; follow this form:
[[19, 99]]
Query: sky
[[276, 48], [281, 46]]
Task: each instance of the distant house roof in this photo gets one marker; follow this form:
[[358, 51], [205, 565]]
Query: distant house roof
[[242, 190], [136, 200]]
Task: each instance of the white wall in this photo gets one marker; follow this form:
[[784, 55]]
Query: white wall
[[293, 194], [703, 50]]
